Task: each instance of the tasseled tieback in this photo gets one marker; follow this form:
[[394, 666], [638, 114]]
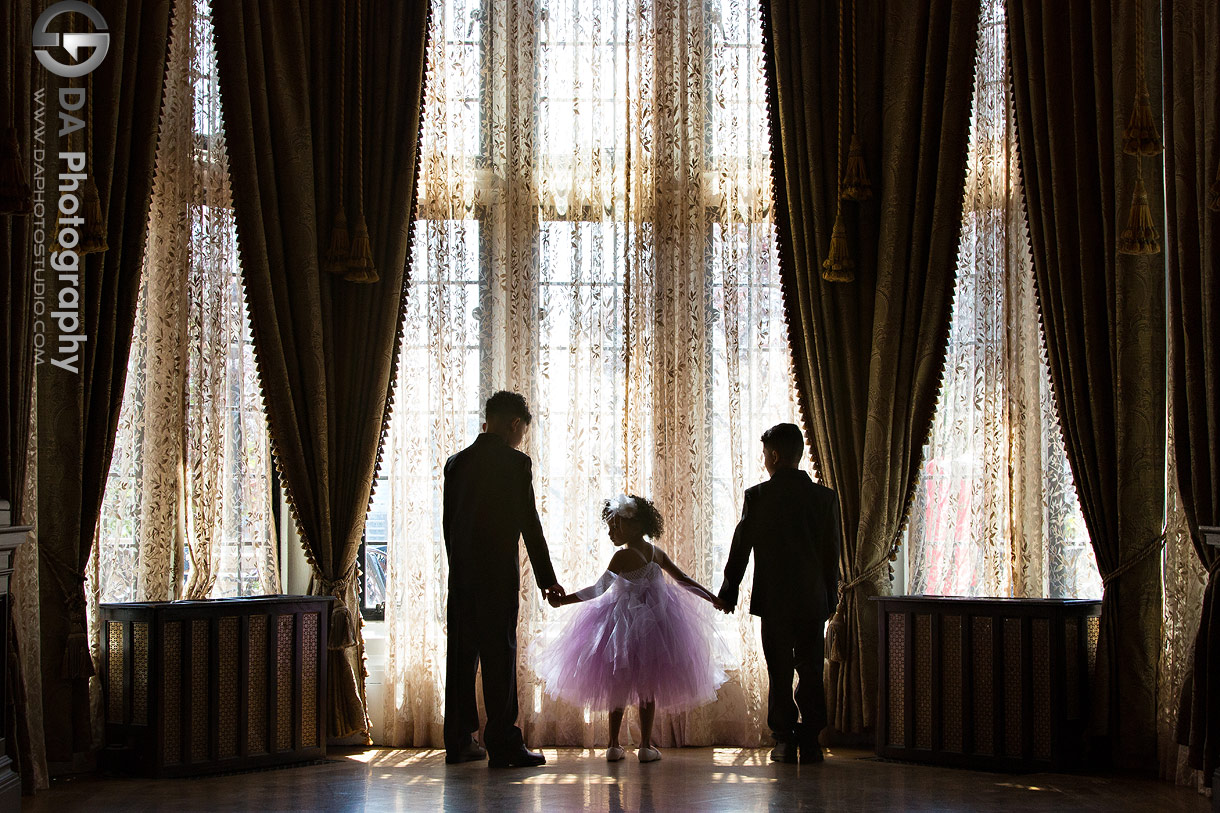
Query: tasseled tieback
[[1141, 136], [1140, 139], [856, 185], [342, 633], [360, 264], [1151, 549], [836, 630], [838, 265], [1140, 235], [77, 661]]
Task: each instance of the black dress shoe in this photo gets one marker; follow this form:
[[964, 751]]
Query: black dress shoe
[[470, 752], [784, 751], [812, 754], [523, 758]]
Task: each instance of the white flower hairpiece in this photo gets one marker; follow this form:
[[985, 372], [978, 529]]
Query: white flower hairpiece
[[621, 506]]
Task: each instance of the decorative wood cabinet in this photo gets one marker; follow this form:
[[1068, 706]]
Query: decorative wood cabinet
[[193, 687], [1000, 684], [11, 538]]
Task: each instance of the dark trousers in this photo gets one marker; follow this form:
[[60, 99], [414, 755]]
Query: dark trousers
[[481, 630], [795, 644]]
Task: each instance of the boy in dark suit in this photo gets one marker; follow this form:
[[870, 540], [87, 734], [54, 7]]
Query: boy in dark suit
[[792, 525], [488, 506]]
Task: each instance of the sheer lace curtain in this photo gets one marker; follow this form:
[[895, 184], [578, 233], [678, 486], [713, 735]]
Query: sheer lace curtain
[[1185, 580], [995, 512], [595, 232], [187, 511]]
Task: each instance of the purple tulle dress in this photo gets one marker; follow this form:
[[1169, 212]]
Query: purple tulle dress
[[642, 637]]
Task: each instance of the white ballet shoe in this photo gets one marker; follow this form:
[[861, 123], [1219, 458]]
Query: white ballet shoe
[[614, 754], [649, 754]]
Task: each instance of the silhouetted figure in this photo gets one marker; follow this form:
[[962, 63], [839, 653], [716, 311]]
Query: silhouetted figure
[[792, 525], [489, 505]]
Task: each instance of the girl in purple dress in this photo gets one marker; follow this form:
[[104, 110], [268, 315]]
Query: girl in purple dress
[[639, 638]]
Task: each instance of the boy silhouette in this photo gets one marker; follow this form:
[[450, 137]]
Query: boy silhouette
[[792, 525]]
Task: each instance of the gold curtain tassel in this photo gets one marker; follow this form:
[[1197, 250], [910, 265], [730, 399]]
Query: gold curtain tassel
[[856, 185], [15, 197], [77, 662], [340, 248], [838, 265], [1140, 236], [346, 714], [836, 639], [1141, 136], [360, 265], [342, 633], [93, 232]]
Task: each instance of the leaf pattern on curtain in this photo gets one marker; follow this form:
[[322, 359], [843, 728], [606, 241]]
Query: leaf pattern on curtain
[[595, 232], [995, 511], [1185, 581], [187, 503]]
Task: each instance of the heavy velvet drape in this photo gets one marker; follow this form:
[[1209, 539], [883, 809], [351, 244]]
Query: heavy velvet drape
[[78, 410], [1191, 37], [327, 348], [17, 283], [868, 354], [17, 372], [1074, 77]]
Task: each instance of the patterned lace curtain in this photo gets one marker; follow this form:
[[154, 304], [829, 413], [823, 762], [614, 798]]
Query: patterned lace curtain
[[995, 512], [595, 232], [187, 510], [1185, 581]]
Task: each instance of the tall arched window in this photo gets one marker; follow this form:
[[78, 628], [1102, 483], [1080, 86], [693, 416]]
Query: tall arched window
[[995, 511], [596, 233], [187, 509]]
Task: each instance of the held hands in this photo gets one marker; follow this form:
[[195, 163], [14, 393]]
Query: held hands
[[554, 595], [723, 606]]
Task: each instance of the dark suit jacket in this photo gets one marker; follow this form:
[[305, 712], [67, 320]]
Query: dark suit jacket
[[792, 525], [489, 505]]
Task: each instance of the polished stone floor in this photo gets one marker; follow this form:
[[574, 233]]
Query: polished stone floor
[[697, 779]]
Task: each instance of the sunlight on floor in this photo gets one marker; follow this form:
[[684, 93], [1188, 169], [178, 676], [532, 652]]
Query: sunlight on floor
[[383, 758], [739, 756], [566, 779], [1026, 787]]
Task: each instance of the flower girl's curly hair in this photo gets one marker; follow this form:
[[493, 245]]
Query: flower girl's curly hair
[[638, 508]]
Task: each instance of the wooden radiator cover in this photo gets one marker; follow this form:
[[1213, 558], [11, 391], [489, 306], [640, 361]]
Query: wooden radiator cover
[[193, 687], [1000, 684], [11, 538]]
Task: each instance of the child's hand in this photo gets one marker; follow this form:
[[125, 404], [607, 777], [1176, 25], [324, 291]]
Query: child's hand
[[554, 595]]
